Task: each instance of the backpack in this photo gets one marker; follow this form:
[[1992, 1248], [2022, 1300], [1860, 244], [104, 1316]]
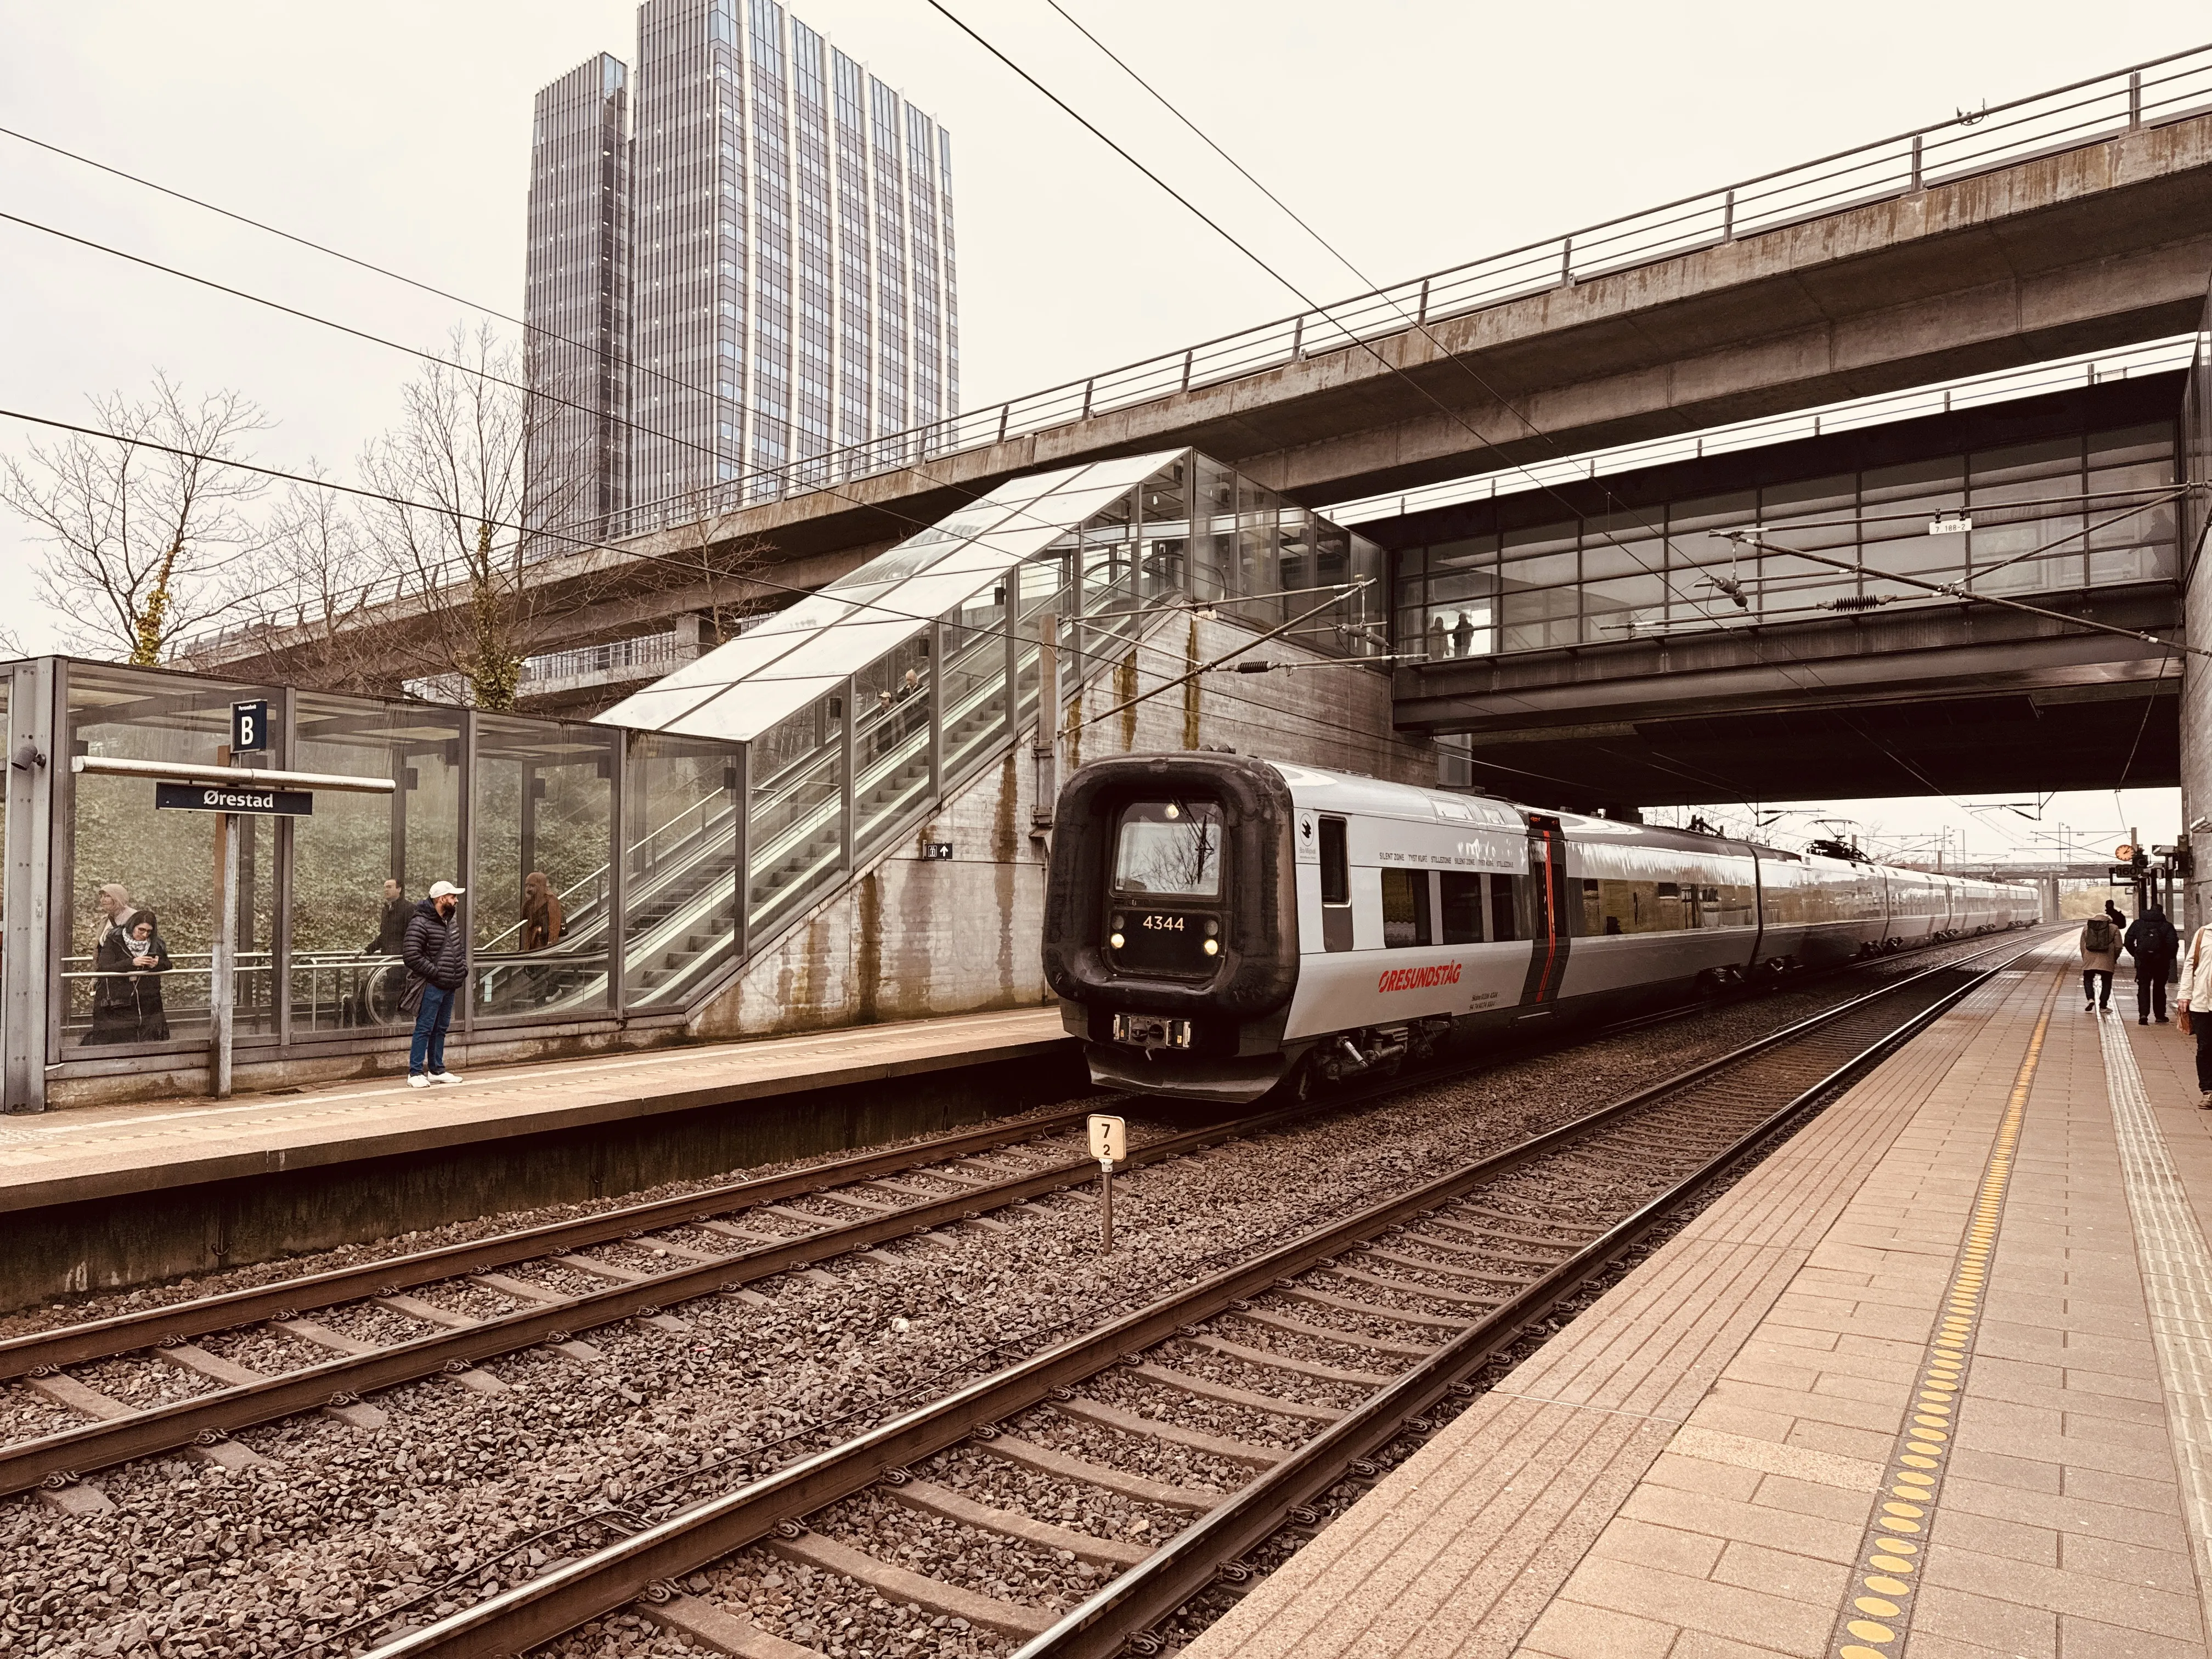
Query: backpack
[[2097, 936]]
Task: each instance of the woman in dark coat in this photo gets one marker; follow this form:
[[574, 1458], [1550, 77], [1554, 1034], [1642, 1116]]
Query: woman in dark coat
[[541, 913], [114, 1002], [150, 958]]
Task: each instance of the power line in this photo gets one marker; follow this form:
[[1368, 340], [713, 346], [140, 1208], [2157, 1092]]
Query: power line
[[582, 545]]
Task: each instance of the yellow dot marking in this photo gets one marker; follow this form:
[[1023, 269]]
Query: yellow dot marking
[[1867, 1630], [1938, 1409], [1914, 1477], [1886, 1586], [1855, 1651], [1890, 1564], [1912, 1459], [1877, 1607], [1904, 1510], [1897, 1545]]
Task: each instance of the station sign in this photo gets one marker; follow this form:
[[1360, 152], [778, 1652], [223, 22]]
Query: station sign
[[249, 727], [235, 798]]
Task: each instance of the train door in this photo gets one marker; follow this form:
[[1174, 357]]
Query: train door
[[1548, 925], [1336, 886]]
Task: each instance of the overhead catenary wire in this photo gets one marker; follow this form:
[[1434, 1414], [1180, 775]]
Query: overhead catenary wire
[[584, 545], [1382, 359]]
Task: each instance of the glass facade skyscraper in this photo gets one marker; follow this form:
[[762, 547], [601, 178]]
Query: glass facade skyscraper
[[577, 301], [788, 289]]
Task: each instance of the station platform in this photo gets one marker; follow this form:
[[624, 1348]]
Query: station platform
[[1934, 1379], [103, 1197], [105, 1152]]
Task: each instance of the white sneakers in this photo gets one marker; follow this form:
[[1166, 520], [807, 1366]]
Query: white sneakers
[[417, 1081], [423, 1080], [445, 1077]]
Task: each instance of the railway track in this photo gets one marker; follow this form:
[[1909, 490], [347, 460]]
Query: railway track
[[355, 1331], [1225, 1412]]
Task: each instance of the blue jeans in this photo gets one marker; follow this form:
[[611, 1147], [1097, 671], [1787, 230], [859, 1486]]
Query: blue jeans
[[431, 1020]]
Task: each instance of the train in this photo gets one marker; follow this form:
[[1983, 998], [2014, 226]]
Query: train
[[1218, 926]]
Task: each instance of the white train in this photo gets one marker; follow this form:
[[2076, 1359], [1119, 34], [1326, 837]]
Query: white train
[[1217, 925]]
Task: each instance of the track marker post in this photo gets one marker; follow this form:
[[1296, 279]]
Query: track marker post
[[1109, 1144]]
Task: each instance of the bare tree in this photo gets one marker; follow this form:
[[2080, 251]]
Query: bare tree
[[307, 624], [146, 537], [466, 476]]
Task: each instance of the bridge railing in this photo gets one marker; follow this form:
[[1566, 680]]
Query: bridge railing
[[2088, 111], [2084, 112]]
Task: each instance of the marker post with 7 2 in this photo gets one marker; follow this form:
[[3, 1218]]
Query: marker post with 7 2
[[1109, 1144]]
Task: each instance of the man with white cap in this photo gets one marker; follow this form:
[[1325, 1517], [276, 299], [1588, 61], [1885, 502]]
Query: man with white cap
[[436, 953]]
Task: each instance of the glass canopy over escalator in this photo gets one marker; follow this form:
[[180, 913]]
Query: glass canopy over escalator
[[621, 868]]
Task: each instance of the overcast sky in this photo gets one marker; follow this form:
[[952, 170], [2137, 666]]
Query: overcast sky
[[1414, 134]]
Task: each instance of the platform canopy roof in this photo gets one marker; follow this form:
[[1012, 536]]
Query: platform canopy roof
[[744, 686]]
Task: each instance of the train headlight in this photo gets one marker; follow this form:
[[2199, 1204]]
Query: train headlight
[[1115, 940], [1214, 947]]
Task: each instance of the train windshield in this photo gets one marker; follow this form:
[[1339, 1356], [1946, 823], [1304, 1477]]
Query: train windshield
[[1169, 847]]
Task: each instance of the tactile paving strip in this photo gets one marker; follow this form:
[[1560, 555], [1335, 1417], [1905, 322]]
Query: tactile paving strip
[[1877, 1612]]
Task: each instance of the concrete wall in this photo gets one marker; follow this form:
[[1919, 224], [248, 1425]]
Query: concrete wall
[[913, 937]]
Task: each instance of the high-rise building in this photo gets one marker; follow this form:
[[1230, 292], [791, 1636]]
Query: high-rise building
[[577, 301], [789, 286]]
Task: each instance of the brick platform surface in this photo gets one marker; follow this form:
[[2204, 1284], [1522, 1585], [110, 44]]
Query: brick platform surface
[[1688, 1471], [96, 1152]]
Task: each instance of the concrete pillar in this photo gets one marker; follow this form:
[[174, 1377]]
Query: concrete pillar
[[2046, 889]]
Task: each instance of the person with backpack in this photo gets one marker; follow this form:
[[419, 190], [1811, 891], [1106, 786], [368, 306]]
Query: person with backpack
[[2193, 1001], [2151, 942], [2100, 955]]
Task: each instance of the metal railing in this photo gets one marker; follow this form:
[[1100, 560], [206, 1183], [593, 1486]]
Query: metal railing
[[2005, 386], [2152, 93], [2088, 111]]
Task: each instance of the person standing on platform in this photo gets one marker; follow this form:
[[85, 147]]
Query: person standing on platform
[[2100, 955], [2194, 999], [437, 957], [2151, 942]]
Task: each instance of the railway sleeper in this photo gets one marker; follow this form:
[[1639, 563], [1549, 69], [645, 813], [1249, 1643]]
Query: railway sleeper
[[718, 1630], [1457, 1298], [1229, 1394], [1087, 1410], [931, 1498], [896, 1583], [1290, 1327], [1453, 1269], [1046, 1459], [1283, 1362], [1376, 1310]]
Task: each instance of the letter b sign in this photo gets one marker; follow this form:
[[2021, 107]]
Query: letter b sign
[[249, 727]]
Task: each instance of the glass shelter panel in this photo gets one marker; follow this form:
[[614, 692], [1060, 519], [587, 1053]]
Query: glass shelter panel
[[361, 863], [795, 842], [680, 847], [143, 882], [540, 900]]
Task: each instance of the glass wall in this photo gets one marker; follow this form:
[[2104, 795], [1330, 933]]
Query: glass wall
[[361, 863], [680, 848], [2057, 515], [540, 898], [143, 881]]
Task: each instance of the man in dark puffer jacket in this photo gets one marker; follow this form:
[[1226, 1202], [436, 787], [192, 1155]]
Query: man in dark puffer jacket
[[437, 956]]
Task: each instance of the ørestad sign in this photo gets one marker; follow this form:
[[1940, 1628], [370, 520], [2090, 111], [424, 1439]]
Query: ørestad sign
[[232, 798]]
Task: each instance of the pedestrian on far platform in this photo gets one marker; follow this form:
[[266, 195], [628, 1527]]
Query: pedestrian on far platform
[[2194, 999], [2151, 942], [437, 957], [2100, 955]]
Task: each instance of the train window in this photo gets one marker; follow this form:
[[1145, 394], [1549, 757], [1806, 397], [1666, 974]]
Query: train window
[[1405, 908], [1335, 864], [1169, 847], [1502, 909], [1462, 907]]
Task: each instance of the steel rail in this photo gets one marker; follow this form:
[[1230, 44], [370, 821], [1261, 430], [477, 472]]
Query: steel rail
[[39, 1353], [1120, 1614], [518, 1620], [102, 1338]]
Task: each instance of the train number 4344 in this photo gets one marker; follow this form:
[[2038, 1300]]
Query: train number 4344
[[1164, 924]]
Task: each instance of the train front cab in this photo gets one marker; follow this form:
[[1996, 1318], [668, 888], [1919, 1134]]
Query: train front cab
[[1170, 927]]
